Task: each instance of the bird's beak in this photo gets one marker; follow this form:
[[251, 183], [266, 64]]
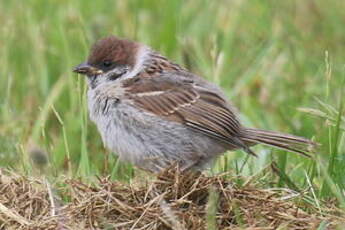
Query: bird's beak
[[86, 69]]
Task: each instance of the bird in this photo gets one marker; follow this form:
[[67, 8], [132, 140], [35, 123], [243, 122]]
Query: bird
[[154, 113]]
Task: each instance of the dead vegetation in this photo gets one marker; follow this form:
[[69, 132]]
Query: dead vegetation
[[171, 201]]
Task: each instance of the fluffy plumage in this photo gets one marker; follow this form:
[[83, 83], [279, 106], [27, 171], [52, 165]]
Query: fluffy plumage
[[153, 113]]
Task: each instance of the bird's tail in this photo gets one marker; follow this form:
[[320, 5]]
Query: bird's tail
[[279, 140]]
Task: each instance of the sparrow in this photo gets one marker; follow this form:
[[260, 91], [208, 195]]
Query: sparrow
[[154, 113]]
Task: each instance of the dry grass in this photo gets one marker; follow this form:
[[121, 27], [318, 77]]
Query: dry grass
[[171, 201]]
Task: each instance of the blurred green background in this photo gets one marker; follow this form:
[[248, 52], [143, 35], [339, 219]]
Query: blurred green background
[[281, 63]]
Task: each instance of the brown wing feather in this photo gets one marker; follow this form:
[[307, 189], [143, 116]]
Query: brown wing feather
[[181, 100]]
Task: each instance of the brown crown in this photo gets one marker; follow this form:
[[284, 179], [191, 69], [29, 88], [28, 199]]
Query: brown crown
[[113, 49]]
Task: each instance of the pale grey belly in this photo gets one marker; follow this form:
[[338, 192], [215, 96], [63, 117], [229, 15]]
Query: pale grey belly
[[151, 142]]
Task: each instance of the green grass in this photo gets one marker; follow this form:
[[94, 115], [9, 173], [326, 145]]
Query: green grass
[[280, 62]]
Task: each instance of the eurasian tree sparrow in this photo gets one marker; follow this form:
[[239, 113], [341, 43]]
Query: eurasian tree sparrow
[[153, 113]]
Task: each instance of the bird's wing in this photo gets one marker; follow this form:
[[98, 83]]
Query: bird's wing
[[181, 99]]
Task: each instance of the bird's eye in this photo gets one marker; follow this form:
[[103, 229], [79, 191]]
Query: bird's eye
[[107, 64]]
